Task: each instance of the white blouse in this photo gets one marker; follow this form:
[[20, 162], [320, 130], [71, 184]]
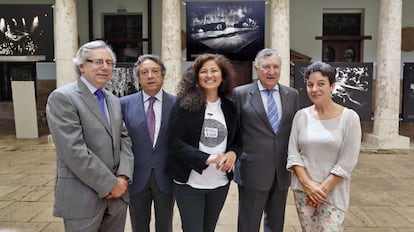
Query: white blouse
[[323, 147]]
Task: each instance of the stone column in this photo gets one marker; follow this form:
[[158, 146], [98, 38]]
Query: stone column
[[171, 43], [387, 84], [66, 40], [280, 35]]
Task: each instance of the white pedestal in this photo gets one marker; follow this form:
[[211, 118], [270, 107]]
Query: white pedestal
[[24, 105]]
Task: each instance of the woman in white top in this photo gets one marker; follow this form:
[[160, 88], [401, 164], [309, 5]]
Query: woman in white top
[[204, 142], [323, 150]]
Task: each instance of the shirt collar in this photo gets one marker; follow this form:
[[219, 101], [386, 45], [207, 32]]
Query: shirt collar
[[88, 85], [158, 96], [262, 88]]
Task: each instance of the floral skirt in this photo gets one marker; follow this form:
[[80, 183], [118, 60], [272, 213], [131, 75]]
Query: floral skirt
[[325, 218]]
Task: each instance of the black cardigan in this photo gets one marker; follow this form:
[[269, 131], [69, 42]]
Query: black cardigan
[[184, 136]]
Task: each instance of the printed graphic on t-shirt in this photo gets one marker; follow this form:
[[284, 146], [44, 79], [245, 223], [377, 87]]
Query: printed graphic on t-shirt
[[213, 133]]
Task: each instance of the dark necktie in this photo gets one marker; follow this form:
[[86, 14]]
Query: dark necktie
[[272, 112], [101, 102], [151, 118]]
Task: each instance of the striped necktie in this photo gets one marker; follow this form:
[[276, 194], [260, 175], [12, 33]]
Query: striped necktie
[[272, 112]]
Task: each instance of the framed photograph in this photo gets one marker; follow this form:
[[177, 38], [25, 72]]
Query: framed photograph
[[353, 87], [26, 30], [233, 29], [408, 92]]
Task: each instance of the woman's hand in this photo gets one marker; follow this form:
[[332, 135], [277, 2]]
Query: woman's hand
[[316, 195], [227, 161], [223, 162]]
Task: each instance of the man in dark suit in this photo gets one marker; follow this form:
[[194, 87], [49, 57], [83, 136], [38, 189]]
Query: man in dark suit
[[94, 157], [146, 115], [261, 169]]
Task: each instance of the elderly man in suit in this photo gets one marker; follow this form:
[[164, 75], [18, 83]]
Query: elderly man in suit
[[266, 109], [146, 115], [94, 157]]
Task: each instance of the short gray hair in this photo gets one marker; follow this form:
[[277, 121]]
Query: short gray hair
[[266, 52], [82, 53]]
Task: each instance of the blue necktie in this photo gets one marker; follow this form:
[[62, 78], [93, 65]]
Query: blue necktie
[[272, 112], [151, 117], [99, 93]]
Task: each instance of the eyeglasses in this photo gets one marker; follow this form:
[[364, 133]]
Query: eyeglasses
[[100, 62]]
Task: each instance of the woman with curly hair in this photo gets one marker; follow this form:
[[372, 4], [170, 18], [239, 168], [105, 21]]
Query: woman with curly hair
[[204, 142]]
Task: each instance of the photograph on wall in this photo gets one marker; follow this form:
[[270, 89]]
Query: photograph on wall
[[353, 86], [233, 29], [408, 92], [26, 30]]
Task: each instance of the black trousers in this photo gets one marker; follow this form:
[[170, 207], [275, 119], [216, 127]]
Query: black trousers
[[200, 208]]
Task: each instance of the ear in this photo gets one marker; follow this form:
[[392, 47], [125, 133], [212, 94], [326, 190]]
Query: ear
[[333, 87], [81, 68]]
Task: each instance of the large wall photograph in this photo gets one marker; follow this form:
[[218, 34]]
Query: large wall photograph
[[234, 29], [26, 30], [408, 92], [353, 87]]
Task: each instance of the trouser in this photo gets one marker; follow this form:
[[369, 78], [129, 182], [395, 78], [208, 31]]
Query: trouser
[[200, 208], [110, 219], [140, 208]]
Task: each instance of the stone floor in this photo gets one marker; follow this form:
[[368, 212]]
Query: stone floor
[[381, 195]]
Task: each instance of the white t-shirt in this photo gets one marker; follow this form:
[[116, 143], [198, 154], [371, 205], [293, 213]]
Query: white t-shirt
[[213, 140]]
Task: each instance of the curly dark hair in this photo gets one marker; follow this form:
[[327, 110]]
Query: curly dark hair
[[190, 95]]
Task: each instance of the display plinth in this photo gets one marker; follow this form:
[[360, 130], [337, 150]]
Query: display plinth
[[24, 105]]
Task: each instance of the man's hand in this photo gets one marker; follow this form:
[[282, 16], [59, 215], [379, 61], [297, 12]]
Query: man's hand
[[119, 189]]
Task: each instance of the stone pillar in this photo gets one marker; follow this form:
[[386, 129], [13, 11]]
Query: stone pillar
[[66, 40], [280, 35], [387, 84], [171, 43]]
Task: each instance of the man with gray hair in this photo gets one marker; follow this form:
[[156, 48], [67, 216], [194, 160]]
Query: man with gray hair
[[93, 150], [266, 109]]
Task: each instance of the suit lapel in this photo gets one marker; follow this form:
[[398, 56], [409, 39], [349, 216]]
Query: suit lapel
[[285, 101], [257, 105], [111, 104], [91, 103], [167, 105], [139, 111]]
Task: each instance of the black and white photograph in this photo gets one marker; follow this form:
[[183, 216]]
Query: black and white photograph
[[26, 30], [233, 29], [353, 87], [408, 92]]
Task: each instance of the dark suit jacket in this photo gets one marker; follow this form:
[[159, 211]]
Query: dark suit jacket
[[184, 137], [264, 152], [90, 153], [146, 156]]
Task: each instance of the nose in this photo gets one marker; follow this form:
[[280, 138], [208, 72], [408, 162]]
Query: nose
[[150, 74]]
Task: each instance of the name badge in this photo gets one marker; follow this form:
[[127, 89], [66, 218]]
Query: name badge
[[210, 132]]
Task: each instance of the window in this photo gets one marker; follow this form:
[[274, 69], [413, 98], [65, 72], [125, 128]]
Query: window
[[124, 33]]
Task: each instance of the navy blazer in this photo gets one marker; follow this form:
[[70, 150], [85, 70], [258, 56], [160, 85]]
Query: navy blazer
[[184, 136], [147, 157]]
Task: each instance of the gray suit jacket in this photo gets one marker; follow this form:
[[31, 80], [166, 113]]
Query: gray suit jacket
[[264, 152], [147, 157], [90, 153]]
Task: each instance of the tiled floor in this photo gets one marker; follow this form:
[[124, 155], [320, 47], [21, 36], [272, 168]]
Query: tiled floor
[[381, 195]]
